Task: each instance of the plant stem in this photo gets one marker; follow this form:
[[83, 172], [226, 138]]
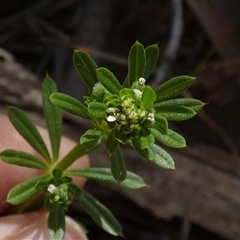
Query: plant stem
[[78, 151]]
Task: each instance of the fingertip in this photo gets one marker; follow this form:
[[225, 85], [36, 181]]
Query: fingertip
[[33, 226]]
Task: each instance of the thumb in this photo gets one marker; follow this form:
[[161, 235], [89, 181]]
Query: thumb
[[34, 226]]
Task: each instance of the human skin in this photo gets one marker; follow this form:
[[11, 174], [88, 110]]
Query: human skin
[[31, 225]]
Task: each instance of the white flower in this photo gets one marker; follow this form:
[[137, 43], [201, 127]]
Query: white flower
[[51, 188], [141, 81], [150, 117], [111, 118]]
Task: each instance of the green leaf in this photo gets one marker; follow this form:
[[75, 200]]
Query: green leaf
[[173, 87], [174, 113], [108, 80], [127, 92], [171, 138], [69, 104], [118, 167], [112, 144], [100, 214], [145, 153], [22, 159], [192, 103], [86, 67], [56, 222], [152, 55], [104, 175], [136, 64], [74, 190], [120, 136], [52, 115], [162, 158], [99, 92], [148, 97], [28, 131], [147, 140], [57, 174], [91, 137], [23, 191], [160, 123], [97, 110], [111, 100]]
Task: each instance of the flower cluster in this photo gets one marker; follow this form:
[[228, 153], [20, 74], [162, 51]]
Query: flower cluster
[[58, 194], [127, 110]]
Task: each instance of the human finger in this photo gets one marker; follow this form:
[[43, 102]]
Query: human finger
[[33, 226], [12, 174]]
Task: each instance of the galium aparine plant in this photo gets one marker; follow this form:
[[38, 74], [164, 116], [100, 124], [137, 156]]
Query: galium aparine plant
[[131, 113]]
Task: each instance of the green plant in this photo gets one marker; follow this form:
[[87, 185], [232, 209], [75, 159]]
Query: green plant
[[132, 113]]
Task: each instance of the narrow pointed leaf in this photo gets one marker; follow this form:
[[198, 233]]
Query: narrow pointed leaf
[[118, 167], [108, 80], [86, 67], [28, 131], [160, 123], [121, 136], [192, 103], [148, 97], [173, 87], [104, 175], [152, 55], [145, 153], [162, 158], [56, 222], [112, 144], [69, 104], [171, 138], [174, 113], [23, 191], [100, 214], [91, 137], [136, 64], [53, 116], [22, 159], [97, 110]]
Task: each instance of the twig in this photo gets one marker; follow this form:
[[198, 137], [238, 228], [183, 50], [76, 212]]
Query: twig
[[173, 43]]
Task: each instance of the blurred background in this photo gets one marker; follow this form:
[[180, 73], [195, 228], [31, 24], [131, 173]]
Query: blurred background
[[201, 198]]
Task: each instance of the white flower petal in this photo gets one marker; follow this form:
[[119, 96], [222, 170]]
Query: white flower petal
[[111, 118], [137, 92], [51, 188]]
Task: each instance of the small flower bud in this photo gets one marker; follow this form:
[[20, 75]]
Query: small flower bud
[[110, 110], [141, 81], [51, 188], [138, 93], [150, 117], [127, 103]]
